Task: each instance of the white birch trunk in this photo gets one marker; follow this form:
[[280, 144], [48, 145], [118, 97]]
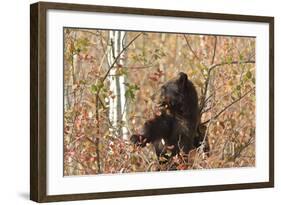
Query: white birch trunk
[[117, 105]]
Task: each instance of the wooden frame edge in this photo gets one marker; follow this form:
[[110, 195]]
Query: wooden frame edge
[[154, 192], [34, 191], [154, 12], [271, 100], [38, 104]]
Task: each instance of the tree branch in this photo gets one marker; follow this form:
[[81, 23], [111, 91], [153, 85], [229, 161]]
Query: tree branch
[[214, 52], [204, 100], [204, 143], [98, 132], [118, 56], [229, 105], [247, 144], [193, 52], [210, 69]]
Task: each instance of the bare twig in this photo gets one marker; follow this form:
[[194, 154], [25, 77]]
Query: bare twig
[[103, 57], [204, 100], [139, 67], [248, 143], [204, 95], [229, 105], [118, 56], [208, 76], [206, 110], [192, 51], [214, 52], [85, 167], [231, 63], [123, 39], [208, 126], [88, 138], [89, 32], [98, 130], [97, 34], [210, 69]]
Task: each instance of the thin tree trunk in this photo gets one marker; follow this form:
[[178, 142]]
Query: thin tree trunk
[[117, 103], [162, 66]]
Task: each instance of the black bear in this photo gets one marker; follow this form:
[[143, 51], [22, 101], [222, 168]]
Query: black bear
[[177, 122]]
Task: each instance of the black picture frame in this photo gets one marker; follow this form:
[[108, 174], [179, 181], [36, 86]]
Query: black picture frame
[[38, 101]]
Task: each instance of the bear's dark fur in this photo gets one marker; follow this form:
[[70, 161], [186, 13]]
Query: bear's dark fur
[[177, 123]]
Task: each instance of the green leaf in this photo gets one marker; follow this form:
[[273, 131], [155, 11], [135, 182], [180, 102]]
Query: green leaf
[[96, 88], [131, 89], [82, 44], [122, 71], [129, 94], [254, 80], [229, 59], [249, 75], [135, 87], [241, 57]]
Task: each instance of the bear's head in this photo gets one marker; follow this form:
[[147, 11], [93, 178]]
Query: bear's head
[[172, 93]]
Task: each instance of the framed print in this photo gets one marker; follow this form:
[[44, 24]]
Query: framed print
[[133, 102]]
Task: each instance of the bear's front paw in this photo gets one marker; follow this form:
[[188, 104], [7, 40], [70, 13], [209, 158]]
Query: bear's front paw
[[139, 140]]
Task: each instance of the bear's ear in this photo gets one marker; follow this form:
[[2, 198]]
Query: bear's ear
[[182, 79]]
